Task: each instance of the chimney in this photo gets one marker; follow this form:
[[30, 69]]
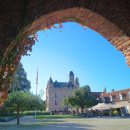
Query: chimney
[[112, 90], [105, 90]]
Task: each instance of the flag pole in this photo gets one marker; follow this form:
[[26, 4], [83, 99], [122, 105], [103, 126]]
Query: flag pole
[[36, 91]]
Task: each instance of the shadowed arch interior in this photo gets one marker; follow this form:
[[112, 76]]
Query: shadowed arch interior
[[19, 19]]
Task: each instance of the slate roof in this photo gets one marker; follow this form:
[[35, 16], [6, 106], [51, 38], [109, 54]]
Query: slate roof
[[96, 94], [63, 84], [70, 85], [59, 84]]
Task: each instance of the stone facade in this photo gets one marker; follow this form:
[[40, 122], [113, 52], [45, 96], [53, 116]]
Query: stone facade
[[57, 91]]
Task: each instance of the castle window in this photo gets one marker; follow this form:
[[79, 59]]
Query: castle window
[[55, 95], [56, 102]]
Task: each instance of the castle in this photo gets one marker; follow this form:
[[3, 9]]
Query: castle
[[57, 91]]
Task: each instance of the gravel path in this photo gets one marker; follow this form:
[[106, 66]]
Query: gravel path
[[29, 123]]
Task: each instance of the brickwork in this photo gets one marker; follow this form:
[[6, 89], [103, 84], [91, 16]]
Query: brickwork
[[89, 19], [109, 18], [19, 19]]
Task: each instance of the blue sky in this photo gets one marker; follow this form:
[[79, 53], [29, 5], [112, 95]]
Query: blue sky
[[85, 52]]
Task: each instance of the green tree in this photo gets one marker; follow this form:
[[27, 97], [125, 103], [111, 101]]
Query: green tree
[[20, 100], [44, 105], [81, 98], [19, 80]]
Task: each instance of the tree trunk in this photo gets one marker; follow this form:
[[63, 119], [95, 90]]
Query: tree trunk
[[82, 109], [22, 113], [18, 121]]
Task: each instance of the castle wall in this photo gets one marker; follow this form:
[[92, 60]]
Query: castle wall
[[56, 97], [57, 91]]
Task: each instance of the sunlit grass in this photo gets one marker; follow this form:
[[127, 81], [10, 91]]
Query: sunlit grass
[[56, 116]]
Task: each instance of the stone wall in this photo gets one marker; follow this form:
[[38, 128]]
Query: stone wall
[[57, 95]]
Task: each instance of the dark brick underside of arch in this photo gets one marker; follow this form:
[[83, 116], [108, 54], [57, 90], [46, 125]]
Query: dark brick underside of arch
[[17, 14]]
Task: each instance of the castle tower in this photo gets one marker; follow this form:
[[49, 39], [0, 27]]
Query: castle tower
[[57, 91], [71, 77], [77, 80], [50, 83], [50, 80]]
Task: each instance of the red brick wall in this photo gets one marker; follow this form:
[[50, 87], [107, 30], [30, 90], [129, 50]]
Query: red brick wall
[[110, 18], [89, 19]]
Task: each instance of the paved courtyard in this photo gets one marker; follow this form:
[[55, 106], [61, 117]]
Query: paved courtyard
[[28, 123]]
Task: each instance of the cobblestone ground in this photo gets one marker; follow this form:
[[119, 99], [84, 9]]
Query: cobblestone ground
[[29, 123]]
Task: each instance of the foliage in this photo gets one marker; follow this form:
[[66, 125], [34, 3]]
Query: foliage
[[81, 98], [21, 101], [20, 81], [44, 105], [56, 116], [11, 58], [115, 113], [38, 113]]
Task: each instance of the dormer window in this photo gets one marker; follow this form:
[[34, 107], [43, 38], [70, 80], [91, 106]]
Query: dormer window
[[111, 98], [56, 102], [129, 94], [120, 96], [124, 96]]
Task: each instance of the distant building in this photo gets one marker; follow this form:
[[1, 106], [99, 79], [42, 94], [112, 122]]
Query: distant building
[[96, 95], [57, 91], [120, 98]]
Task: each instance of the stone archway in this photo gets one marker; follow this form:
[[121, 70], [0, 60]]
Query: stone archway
[[109, 18]]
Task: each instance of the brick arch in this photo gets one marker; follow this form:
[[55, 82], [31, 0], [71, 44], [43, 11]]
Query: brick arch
[[103, 16], [19, 19], [86, 18]]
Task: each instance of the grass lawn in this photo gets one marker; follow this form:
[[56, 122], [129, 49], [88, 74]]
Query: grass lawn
[[56, 116]]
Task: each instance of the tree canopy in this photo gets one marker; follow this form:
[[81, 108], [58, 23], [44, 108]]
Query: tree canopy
[[19, 80], [21, 101], [81, 98]]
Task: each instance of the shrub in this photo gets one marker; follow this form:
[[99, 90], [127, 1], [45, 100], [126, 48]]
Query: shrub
[[115, 113], [38, 113]]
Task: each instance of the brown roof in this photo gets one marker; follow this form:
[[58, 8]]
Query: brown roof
[[115, 94], [96, 94]]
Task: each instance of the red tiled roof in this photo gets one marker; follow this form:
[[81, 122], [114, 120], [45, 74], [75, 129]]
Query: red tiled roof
[[96, 94], [116, 94]]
